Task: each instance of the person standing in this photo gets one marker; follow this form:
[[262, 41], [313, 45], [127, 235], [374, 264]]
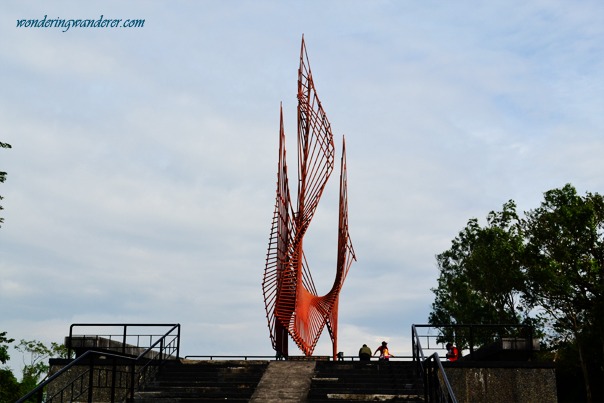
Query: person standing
[[365, 353], [384, 352]]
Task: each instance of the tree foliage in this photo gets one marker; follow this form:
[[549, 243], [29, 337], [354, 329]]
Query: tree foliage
[[565, 259], [35, 366], [481, 279], [38, 353], [4, 344], [546, 269], [10, 388], [565, 271]]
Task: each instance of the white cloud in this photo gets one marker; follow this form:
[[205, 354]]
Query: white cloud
[[141, 179]]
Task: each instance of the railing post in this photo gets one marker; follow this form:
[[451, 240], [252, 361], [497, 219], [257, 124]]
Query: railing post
[[425, 377], [91, 379], [69, 341], [413, 343], [133, 370], [124, 339], [430, 380], [178, 343], [530, 341], [113, 375]]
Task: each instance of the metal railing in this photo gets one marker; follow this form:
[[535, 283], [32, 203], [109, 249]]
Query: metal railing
[[244, 357], [114, 375], [123, 340], [479, 340], [436, 384], [473, 336]]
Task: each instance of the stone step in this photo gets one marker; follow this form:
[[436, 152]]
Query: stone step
[[378, 397], [284, 381], [203, 382], [375, 381], [196, 392]]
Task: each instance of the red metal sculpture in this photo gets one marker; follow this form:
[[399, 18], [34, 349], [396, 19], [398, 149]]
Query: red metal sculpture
[[292, 304]]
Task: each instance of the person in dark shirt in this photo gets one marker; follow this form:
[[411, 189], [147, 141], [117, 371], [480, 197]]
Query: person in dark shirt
[[365, 353]]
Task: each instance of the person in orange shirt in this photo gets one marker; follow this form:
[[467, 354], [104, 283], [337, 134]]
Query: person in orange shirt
[[384, 353], [452, 352]]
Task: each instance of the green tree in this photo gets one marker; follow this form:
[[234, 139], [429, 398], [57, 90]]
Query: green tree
[[3, 176], [4, 344], [10, 388], [565, 271], [481, 279], [35, 367], [546, 269], [38, 354]]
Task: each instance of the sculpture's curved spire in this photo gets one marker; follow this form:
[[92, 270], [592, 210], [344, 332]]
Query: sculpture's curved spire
[[292, 305]]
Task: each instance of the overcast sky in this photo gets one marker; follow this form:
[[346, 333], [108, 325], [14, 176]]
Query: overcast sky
[[141, 180]]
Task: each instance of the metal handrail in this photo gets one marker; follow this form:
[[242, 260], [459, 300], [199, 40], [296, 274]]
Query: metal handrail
[[230, 357], [124, 333], [87, 356], [435, 374], [291, 357], [433, 390], [471, 337], [131, 362]]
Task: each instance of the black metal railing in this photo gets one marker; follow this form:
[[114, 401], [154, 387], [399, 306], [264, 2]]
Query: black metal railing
[[109, 375], [436, 384], [244, 357], [480, 341], [470, 338], [124, 339]]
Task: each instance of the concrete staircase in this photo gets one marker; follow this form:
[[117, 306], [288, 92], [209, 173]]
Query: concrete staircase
[[283, 381], [204, 381], [393, 381]]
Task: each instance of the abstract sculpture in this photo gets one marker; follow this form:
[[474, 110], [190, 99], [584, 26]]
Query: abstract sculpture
[[290, 297]]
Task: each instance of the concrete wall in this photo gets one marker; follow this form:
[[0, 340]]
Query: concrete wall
[[503, 385]]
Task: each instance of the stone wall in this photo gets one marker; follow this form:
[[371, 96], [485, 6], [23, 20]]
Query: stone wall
[[502, 385]]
